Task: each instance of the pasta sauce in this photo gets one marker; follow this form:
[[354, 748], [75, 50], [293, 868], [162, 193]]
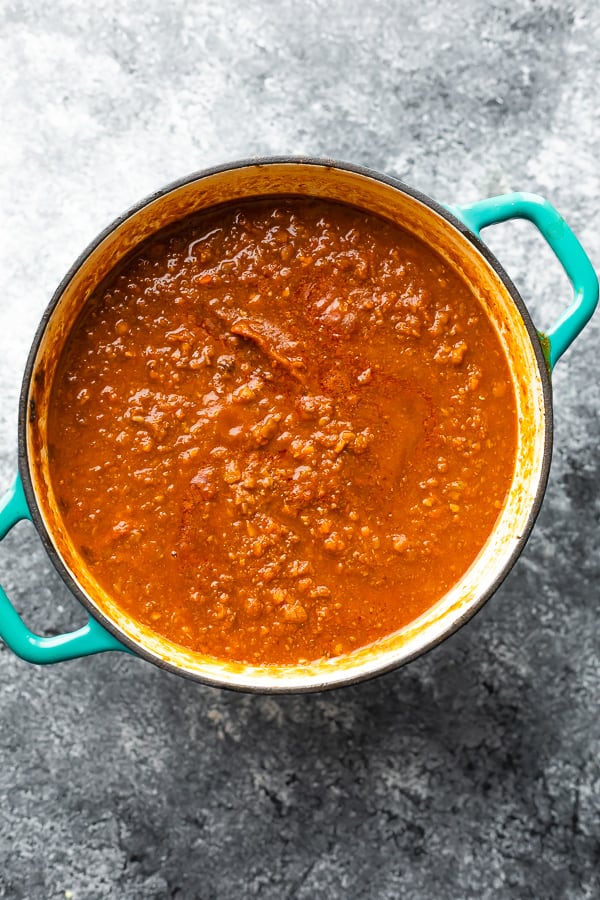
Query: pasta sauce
[[281, 430]]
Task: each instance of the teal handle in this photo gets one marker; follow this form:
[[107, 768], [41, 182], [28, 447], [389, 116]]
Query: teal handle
[[566, 247], [91, 638]]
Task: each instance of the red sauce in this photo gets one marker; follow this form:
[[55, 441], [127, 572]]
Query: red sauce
[[281, 431]]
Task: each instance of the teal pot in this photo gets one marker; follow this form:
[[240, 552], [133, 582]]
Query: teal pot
[[454, 232]]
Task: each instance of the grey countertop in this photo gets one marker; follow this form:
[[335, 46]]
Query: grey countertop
[[474, 772]]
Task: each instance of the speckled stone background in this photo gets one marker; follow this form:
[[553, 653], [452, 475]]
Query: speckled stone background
[[475, 772]]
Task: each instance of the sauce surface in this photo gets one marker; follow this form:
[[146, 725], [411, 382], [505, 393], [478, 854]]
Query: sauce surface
[[281, 430]]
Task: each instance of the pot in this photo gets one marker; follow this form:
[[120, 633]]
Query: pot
[[451, 231]]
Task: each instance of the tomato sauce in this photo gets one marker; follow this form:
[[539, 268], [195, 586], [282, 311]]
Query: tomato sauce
[[281, 430]]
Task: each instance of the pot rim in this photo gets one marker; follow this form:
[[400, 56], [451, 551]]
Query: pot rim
[[338, 676]]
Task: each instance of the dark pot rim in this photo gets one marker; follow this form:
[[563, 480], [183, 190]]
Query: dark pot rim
[[468, 235]]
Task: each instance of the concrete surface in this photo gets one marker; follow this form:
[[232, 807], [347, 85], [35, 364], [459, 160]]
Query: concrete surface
[[474, 772]]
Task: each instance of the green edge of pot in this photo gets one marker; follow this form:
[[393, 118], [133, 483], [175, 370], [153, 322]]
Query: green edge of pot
[[565, 246], [93, 638]]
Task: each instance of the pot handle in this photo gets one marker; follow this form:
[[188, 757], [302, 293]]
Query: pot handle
[[566, 247], [91, 638]]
